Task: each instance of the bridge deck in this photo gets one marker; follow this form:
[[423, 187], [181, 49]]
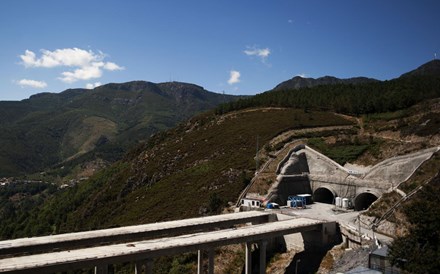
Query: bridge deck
[[134, 251], [129, 233]]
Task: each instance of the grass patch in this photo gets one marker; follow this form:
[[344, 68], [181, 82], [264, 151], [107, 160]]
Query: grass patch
[[386, 116], [341, 152]]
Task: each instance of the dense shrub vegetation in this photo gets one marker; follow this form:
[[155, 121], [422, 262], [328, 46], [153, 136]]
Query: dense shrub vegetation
[[363, 98], [418, 252], [17, 200], [343, 151]]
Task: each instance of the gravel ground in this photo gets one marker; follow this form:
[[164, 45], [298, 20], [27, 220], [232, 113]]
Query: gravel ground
[[351, 259]]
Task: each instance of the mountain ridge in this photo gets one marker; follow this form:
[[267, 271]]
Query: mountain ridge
[[49, 128], [429, 68], [299, 82]]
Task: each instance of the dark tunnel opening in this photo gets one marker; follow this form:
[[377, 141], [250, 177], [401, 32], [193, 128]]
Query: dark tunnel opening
[[364, 200], [323, 195]]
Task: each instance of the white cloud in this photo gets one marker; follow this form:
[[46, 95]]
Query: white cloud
[[234, 77], [302, 75], [93, 85], [112, 66], [28, 58], [84, 73], [32, 83], [87, 64], [70, 57], [254, 51]]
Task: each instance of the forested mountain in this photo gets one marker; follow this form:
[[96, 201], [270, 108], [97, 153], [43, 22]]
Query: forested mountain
[[299, 82], [359, 98], [51, 128]]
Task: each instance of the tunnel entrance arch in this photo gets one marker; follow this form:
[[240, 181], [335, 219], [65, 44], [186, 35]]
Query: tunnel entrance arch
[[324, 195], [364, 200]]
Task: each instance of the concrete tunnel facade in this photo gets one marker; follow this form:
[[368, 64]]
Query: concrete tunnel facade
[[306, 171]]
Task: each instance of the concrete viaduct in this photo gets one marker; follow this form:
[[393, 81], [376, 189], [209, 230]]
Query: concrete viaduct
[[141, 244], [306, 171]]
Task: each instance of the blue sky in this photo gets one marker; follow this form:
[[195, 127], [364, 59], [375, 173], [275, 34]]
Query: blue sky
[[235, 46]]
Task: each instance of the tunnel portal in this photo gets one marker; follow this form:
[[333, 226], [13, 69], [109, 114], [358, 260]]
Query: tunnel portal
[[323, 195], [364, 200]]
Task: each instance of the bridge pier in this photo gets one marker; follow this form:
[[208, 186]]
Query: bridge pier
[[199, 261], [211, 256], [149, 267], [248, 258], [147, 264], [325, 237], [101, 269], [262, 246], [211, 261]]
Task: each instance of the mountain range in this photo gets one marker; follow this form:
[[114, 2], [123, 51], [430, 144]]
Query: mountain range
[[298, 82], [51, 128], [80, 125]]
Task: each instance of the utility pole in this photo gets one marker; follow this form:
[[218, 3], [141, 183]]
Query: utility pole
[[359, 225]]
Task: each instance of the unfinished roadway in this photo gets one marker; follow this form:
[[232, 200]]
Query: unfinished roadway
[[315, 233], [130, 233]]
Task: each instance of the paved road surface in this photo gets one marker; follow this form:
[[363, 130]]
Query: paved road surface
[[321, 211]]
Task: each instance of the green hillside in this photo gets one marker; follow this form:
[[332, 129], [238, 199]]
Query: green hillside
[[191, 170], [48, 129]]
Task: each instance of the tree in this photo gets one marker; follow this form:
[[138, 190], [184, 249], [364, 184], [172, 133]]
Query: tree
[[215, 203]]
